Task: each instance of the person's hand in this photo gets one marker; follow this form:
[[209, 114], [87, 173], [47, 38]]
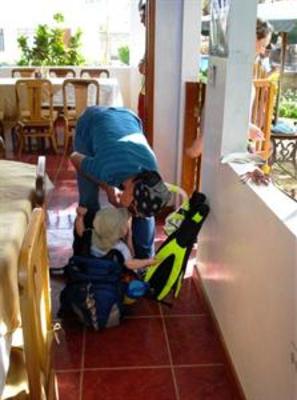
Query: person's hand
[[114, 195], [127, 194], [76, 159], [255, 133]]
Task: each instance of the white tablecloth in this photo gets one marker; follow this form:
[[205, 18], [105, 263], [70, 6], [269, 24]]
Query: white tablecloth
[[5, 346], [17, 184], [110, 94]]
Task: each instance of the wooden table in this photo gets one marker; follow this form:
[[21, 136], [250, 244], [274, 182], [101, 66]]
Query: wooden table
[[110, 94]]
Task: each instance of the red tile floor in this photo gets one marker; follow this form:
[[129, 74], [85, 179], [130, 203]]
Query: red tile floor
[[157, 353]]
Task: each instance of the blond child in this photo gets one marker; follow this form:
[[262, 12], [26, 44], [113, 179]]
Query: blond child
[[112, 231]]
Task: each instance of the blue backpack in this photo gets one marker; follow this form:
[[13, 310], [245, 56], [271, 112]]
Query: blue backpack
[[94, 291]]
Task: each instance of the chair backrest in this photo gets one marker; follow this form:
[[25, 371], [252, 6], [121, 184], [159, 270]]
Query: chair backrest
[[78, 94], [259, 71], [33, 279], [94, 73], [194, 104], [62, 72], [23, 72], [262, 112], [32, 96]]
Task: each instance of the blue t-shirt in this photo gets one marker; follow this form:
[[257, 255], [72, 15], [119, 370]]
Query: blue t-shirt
[[116, 148]]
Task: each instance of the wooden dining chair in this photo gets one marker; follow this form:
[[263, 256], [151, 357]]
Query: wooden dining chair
[[94, 73], [62, 72], [37, 380], [35, 111], [259, 71], [195, 93], [57, 98], [23, 72], [262, 113], [78, 94]]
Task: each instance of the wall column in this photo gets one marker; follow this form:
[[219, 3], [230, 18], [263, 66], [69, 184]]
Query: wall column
[[177, 40]]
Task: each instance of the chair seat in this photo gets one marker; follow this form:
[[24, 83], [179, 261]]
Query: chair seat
[[35, 111], [72, 123], [35, 124], [72, 115], [25, 114]]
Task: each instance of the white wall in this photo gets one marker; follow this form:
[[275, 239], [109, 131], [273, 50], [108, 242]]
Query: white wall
[[247, 259], [177, 41], [247, 253], [190, 60], [167, 87]]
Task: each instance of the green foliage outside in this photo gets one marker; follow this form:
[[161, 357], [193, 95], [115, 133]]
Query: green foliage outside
[[49, 48], [288, 104], [124, 54], [203, 76]]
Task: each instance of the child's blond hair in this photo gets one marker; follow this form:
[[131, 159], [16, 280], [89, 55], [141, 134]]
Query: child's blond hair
[[110, 225]]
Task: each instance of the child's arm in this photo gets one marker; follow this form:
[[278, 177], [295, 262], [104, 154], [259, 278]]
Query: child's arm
[[255, 133], [79, 221], [195, 149], [136, 263]]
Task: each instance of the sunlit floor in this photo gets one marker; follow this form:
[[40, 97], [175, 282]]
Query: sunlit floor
[[157, 353]]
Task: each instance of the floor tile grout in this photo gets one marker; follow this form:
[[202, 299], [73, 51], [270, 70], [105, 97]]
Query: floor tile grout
[[177, 396], [142, 367]]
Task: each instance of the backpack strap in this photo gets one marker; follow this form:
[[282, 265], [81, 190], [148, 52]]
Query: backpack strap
[[116, 256]]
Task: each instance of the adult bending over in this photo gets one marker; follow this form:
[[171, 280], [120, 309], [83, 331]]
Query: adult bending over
[[111, 151]]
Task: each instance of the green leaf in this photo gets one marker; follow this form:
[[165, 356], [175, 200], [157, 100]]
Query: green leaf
[[49, 47], [124, 54]]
